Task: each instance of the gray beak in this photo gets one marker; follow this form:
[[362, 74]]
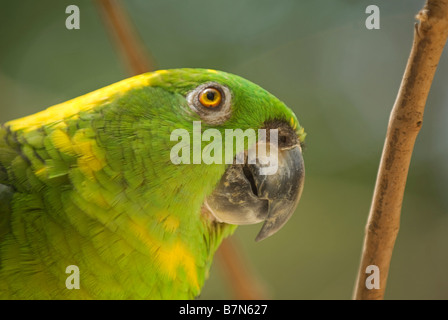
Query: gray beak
[[247, 195]]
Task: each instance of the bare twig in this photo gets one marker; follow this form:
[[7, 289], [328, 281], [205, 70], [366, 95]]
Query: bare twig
[[405, 121], [127, 41], [242, 280]]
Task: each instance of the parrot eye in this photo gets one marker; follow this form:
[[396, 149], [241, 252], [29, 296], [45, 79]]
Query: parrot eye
[[210, 97], [211, 101]]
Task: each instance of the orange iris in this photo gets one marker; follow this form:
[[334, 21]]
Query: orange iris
[[210, 97]]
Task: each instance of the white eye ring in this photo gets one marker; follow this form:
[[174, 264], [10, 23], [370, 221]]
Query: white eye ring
[[215, 115]]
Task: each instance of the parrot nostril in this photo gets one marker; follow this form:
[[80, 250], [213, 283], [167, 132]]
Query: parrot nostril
[[283, 140], [250, 177]]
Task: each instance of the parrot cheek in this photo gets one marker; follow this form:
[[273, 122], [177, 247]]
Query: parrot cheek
[[252, 193]]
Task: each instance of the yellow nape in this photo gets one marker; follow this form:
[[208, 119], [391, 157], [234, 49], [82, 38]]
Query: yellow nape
[[86, 102], [91, 157], [62, 142]]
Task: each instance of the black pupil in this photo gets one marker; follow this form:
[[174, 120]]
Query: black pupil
[[210, 95]]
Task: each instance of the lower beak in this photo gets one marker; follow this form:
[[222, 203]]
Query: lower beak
[[252, 193]]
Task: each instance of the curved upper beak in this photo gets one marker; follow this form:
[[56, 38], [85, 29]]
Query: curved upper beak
[[252, 193]]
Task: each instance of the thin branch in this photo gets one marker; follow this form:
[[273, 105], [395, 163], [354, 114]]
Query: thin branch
[[133, 53], [126, 38], [430, 36], [241, 278]]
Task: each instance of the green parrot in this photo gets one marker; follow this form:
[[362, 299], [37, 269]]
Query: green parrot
[[103, 196]]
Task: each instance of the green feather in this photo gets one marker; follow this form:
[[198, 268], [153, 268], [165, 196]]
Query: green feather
[[90, 183]]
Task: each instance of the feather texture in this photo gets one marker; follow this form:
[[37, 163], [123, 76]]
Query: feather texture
[[89, 182]]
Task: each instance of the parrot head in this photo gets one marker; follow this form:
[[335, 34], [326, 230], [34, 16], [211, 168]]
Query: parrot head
[[243, 192]]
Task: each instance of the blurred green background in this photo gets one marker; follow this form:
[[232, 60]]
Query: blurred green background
[[340, 78]]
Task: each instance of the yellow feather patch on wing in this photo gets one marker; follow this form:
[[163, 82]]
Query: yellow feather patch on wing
[[169, 223], [170, 256], [173, 256], [86, 102]]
